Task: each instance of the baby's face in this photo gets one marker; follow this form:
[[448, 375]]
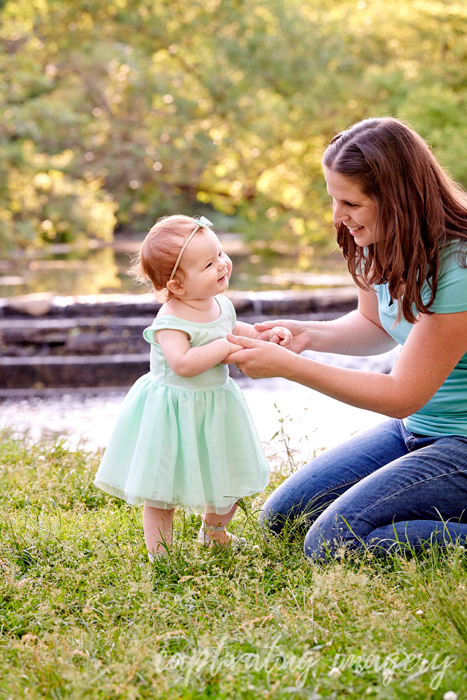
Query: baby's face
[[205, 268]]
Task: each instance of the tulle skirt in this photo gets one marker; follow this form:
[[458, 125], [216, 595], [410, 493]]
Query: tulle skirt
[[175, 447]]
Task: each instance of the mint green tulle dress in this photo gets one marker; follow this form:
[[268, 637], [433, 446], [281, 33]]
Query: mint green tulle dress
[[185, 442]]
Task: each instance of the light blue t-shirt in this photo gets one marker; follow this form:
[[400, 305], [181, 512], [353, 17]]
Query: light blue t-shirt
[[446, 412]]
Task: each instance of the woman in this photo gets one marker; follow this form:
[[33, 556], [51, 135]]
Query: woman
[[401, 223]]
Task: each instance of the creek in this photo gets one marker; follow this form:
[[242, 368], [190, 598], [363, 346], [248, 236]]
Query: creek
[[294, 422], [65, 270]]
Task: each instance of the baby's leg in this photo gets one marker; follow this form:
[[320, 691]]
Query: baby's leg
[[157, 525], [213, 520], [220, 520]]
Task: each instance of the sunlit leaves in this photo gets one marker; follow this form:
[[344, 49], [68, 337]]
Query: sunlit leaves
[[166, 106]]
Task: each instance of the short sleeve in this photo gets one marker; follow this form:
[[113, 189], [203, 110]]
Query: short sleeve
[[451, 294], [163, 323]]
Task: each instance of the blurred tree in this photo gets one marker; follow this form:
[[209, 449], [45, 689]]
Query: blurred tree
[[115, 113]]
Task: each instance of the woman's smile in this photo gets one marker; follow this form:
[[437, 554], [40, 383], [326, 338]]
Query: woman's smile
[[352, 207]]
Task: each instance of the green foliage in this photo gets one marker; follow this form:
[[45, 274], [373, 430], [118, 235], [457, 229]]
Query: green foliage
[[116, 113], [83, 614]]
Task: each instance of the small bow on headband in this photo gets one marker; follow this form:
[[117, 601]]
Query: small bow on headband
[[201, 222]]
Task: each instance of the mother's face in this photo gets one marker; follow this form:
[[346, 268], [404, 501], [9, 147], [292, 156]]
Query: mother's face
[[352, 208]]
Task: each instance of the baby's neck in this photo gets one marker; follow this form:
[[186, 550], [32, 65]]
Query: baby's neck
[[196, 310]]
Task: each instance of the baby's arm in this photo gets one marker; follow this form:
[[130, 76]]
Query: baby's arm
[[189, 362], [245, 329], [278, 335]]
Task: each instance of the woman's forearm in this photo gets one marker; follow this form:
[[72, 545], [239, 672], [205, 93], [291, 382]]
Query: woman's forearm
[[367, 390], [434, 347], [353, 334], [358, 333]]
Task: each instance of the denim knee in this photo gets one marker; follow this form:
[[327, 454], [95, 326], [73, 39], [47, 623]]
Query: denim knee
[[275, 522], [327, 535], [268, 521]]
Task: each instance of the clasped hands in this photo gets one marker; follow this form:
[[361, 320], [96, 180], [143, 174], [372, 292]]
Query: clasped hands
[[258, 358]]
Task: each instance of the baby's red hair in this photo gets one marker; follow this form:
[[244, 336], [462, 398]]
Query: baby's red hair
[[159, 251]]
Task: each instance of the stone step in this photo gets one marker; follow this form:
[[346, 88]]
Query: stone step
[[98, 343], [74, 371], [128, 305], [73, 336], [89, 336]]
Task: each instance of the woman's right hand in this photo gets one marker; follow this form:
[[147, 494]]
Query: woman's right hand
[[301, 333]]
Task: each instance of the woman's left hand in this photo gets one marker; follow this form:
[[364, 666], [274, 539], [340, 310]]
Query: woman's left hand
[[258, 359]]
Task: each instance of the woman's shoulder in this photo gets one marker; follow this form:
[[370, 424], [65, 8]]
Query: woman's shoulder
[[454, 254], [451, 292], [453, 263]]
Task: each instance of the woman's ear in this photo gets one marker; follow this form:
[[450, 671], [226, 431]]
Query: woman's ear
[[175, 287]]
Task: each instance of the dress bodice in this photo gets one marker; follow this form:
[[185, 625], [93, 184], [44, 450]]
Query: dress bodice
[[198, 334]]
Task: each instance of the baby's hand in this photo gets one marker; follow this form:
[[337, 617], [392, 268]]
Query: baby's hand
[[233, 347], [279, 335]]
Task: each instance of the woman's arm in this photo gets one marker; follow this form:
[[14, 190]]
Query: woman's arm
[[189, 362], [357, 333], [434, 347]]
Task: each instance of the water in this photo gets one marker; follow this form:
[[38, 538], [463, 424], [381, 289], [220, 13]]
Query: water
[[64, 270], [285, 413]]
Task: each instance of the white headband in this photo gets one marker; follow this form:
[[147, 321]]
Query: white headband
[[201, 223]]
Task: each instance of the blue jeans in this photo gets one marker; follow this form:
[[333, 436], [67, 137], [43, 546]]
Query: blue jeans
[[385, 489]]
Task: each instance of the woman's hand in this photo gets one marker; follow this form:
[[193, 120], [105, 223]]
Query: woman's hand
[[279, 335], [300, 334], [258, 359], [232, 346]]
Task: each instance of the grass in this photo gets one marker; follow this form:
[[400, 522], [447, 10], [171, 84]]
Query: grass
[[84, 615]]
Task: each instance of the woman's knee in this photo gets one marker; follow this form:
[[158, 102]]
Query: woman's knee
[[283, 514], [276, 513], [270, 520], [328, 534], [319, 542]]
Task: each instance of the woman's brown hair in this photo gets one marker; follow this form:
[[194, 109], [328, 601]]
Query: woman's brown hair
[[420, 209]]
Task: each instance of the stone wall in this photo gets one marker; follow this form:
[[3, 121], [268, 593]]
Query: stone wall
[[97, 341]]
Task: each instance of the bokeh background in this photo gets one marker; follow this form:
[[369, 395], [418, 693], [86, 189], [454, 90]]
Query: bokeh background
[[116, 112]]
